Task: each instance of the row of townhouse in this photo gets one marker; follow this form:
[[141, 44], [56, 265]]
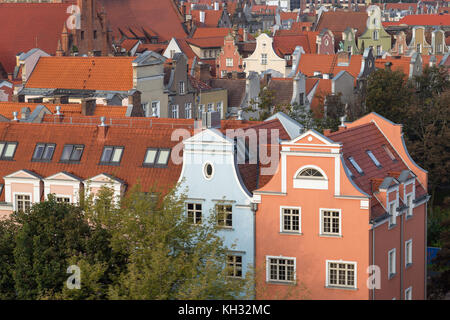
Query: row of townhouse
[[307, 213]]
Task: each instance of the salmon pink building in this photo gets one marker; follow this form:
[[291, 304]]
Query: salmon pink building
[[344, 217]]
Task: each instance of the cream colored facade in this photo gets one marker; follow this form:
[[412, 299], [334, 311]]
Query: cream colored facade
[[215, 98], [264, 57]]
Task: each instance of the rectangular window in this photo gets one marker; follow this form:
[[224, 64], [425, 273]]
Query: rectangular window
[[194, 213], [219, 108], [419, 48], [111, 155], [400, 49], [229, 62], [7, 150], [155, 108], [409, 203], [188, 110], [234, 263], [341, 274], [224, 215], [72, 152], [156, 157], [391, 263], [302, 98], [290, 220], [281, 269], [63, 199], [43, 152], [331, 222], [23, 202], [355, 165], [263, 58], [378, 50], [210, 107], [408, 252], [408, 294], [392, 214], [182, 89], [175, 111]]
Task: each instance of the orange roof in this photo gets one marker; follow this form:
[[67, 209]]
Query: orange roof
[[285, 44], [426, 20], [401, 63], [208, 32], [323, 89], [88, 73], [211, 17], [337, 21], [69, 110], [327, 63]]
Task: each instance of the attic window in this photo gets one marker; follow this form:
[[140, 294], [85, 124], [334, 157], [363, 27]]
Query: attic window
[[389, 152], [43, 152], [156, 157], [111, 155], [375, 160], [310, 173], [72, 153], [355, 165], [7, 150]]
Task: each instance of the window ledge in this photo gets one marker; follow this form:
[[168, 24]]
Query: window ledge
[[392, 275], [408, 217], [392, 226], [342, 288], [408, 265], [225, 228], [330, 235], [286, 283], [291, 233]]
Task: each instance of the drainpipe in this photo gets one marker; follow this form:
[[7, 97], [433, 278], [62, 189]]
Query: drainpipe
[[401, 256], [254, 207], [373, 256], [426, 246]]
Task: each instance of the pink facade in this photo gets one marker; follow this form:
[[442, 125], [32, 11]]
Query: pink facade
[[229, 60], [325, 42], [323, 224]]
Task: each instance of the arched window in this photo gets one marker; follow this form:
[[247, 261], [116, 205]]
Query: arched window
[[310, 173]]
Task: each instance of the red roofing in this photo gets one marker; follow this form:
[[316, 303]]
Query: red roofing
[[161, 16], [426, 20], [218, 32], [337, 21], [285, 44], [328, 63], [400, 63], [29, 25], [212, 17], [91, 73]]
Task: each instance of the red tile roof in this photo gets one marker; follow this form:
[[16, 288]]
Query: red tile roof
[[285, 44], [29, 25], [212, 17], [337, 21], [426, 20], [91, 73], [327, 63], [356, 141], [135, 140], [161, 16], [401, 63], [219, 32]]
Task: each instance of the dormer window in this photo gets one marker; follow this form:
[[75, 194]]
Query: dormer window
[[156, 157], [7, 150], [72, 152], [111, 155], [373, 158], [43, 152], [310, 173], [355, 165]]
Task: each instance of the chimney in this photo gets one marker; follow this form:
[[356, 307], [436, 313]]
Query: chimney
[[343, 58], [88, 107], [203, 72], [216, 6], [326, 132], [134, 104], [25, 113], [388, 65], [15, 114], [102, 128], [202, 16], [342, 126], [245, 35]]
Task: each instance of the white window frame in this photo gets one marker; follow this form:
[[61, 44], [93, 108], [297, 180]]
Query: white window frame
[[224, 226], [234, 266], [182, 88], [408, 293], [21, 194], [219, 107], [408, 253], [321, 232], [327, 275], [392, 265], [64, 196], [310, 183], [299, 220], [392, 215], [188, 110], [409, 198], [187, 202], [175, 111], [158, 106], [263, 59], [229, 62], [280, 281]]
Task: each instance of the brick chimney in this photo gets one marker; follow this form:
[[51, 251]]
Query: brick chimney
[[134, 104], [102, 129], [343, 58], [88, 107], [202, 72]]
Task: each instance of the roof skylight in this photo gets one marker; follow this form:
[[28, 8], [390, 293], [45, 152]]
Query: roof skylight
[[355, 165], [374, 159]]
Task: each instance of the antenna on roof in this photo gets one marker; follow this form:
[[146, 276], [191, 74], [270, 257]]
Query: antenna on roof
[[58, 110], [15, 114]]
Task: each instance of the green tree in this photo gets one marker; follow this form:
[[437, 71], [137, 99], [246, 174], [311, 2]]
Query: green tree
[[169, 258], [439, 285], [8, 231]]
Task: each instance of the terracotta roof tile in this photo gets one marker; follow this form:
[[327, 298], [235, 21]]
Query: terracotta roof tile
[[91, 73], [426, 20], [337, 21]]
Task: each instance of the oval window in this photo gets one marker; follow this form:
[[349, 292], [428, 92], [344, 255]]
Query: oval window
[[208, 170]]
